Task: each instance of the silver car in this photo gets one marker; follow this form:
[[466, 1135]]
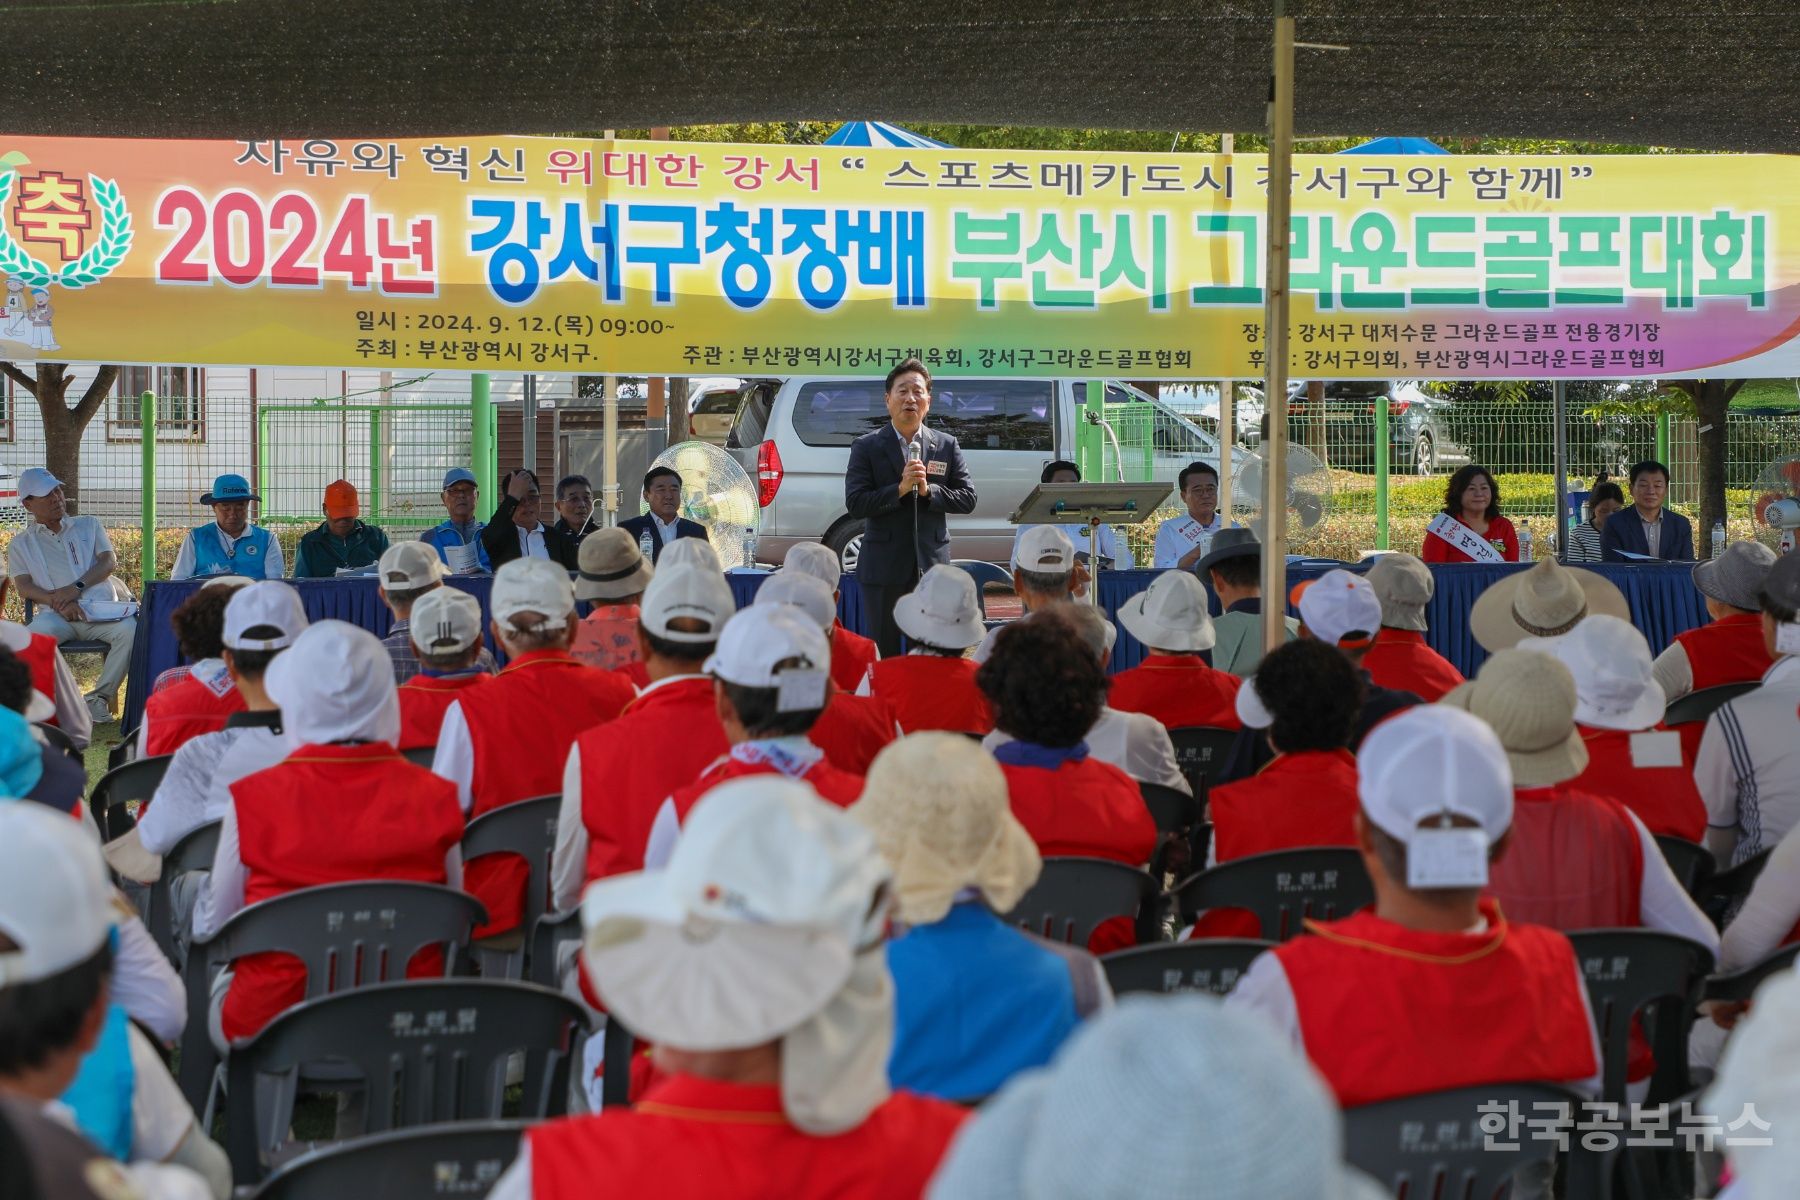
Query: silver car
[[793, 436]]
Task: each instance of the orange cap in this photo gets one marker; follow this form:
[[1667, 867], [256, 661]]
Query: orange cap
[[341, 501]]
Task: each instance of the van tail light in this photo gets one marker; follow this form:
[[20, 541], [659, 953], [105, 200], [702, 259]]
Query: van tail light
[[1396, 407], [768, 473]]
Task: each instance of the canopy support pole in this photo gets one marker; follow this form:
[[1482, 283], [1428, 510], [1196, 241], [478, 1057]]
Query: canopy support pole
[[1275, 332], [1559, 451], [481, 436], [1227, 399], [147, 502]]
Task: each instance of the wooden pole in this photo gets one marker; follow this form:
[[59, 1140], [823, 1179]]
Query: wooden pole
[[1227, 398], [1275, 332]]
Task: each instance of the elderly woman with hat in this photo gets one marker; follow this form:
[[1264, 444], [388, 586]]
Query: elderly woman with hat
[[1173, 683], [1400, 659], [1730, 648], [613, 576], [230, 545], [976, 1001], [1546, 601], [933, 685]]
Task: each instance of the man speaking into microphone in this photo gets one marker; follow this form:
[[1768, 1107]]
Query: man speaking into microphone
[[902, 481]]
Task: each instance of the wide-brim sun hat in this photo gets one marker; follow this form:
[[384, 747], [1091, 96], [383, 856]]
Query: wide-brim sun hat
[[943, 610], [1736, 577], [1546, 601], [611, 566], [1529, 700], [1615, 677], [1170, 614], [230, 489], [1230, 542]]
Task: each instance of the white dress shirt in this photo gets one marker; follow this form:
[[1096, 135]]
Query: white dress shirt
[[531, 541], [1748, 769], [1176, 538], [667, 531], [1136, 743], [274, 566], [57, 560]]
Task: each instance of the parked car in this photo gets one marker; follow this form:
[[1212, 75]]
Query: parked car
[[1422, 438], [712, 412], [793, 436], [12, 509], [1199, 403]]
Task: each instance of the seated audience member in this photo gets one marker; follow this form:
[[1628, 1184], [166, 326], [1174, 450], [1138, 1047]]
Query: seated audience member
[[198, 623], [1094, 1125], [64, 706], [1647, 529], [1234, 568], [230, 544], [613, 576], [516, 530], [1436, 986], [619, 773], [1618, 710], [1545, 601], [1604, 500], [1757, 1076], [1770, 917], [67, 1048], [30, 767], [457, 539], [575, 507], [445, 629], [407, 571], [1729, 649], [1046, 576], [340, 542], [1110, 543], [1173, 684], [976, 1001], [771, 675], [56, 561], [853, 729], [933, 685], [852, 654], [1748, 770], [664, 522], [1400, 660], [344, 806], [207, 698], [771, 1030], [507, 740]]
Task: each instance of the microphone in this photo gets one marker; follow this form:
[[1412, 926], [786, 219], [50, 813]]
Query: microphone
[[915, 454]]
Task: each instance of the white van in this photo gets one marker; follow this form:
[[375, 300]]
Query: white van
[[793, 436]]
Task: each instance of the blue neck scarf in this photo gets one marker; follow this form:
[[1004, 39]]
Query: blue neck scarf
[[1030, 754]]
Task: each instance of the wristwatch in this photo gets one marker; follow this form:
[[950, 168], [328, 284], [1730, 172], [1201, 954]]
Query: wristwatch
[[80, 586]]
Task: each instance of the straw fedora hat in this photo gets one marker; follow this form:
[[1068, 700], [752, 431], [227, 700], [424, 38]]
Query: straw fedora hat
[[1546, 601], [1529, 699], [611, 566]]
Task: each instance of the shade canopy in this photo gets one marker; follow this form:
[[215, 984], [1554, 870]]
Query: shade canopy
[[880, 133], [1397, 145]]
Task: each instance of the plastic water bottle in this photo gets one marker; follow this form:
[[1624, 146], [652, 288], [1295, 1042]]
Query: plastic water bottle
[[1525, 541], [1718, 539], [646, 545], [749, 549]]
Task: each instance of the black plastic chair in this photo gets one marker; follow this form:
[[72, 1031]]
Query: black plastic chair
[[1436, 1145], [122, 753], [420, 756], [1282, 888], [1200, 751], [549, 933], [1211, 965], [1660, 975], [526, 828], [1742, 984], [422, 1052], [348, 935], [1698, 706], [983, 573], [137, 781], [1176, 814], [1075, 896], [618, 1049], [458, 1158], [57, 738], [1691, 862], [195, 852], [1722, 891]]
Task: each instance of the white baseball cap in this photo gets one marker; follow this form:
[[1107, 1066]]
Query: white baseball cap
[[1615, 683], [1171, 615], [691, 591], [55, 901], [1339, 608], [761, 636], [804, 592], [228, 582], [336, 685], [445, 620], [35, 482], [265, 602], [815, 559], [1047, 549], [943, 610], [409, 566], [532, 585], [690, 551], [752, 928], [1429, 760]]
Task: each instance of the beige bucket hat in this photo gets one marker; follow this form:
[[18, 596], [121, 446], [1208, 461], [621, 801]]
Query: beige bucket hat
[[1546, 601]]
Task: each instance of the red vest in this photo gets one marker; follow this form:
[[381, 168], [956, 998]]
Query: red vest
[[1575, 861], [40, 655], [1730, 650], [521, 725], [1180, 691], [924, 691], [332, 814], [852, 655], [423, 699], [852, 731], [1387, 1011], [1303, 799], [699, 1139], [1401, 660], [1664, 798], [186, 710], [664, 741], [839, 787]]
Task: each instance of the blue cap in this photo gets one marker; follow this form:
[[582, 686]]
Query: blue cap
[[228, 488], [456, 475]]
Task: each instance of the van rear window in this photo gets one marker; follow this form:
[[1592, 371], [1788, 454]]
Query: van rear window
[[981, 414]]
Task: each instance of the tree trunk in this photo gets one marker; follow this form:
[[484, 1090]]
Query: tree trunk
[[1712, 402], [63, 426]]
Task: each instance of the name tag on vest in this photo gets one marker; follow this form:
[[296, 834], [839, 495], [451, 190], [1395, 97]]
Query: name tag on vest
[[1656, 748]]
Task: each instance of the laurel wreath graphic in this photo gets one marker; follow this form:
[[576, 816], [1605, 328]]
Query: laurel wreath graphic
[[95, 264]]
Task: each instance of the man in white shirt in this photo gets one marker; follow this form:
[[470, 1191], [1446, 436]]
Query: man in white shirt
[[1184, 541], [663, 524], [53, 562], [516, 531]]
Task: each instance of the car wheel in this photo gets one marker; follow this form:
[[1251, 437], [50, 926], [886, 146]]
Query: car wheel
[[846, 542], [1424, 456]]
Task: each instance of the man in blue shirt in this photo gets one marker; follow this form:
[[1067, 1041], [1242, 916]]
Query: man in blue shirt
[[458, 539], [230, 545]]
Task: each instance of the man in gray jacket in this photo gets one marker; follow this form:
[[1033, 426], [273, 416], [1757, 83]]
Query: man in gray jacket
[[1234, 568]]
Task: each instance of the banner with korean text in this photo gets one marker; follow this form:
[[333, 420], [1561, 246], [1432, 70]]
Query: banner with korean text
[[563, 255]]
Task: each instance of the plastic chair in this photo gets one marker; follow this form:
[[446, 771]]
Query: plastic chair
[[420, 756], [983, 573], [73, 645], [1282, 888], [549, 934], [348, 935], [460, 1158], [526, 828], [1742, 984], [1174, 812], [195, 852], [122, 753], [1075, 896], [58, 739], [618, 1047], [1692, 863], [422, 1052], [136, 780], [1213, 965], [1629, 971], [1698, 706], [1722, 891], [1200, 750], [1435, 1144]]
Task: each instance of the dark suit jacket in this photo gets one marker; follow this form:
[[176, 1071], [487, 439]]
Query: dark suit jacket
[[500, 538], [891, 554], [1625, 531], [684, 528]]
